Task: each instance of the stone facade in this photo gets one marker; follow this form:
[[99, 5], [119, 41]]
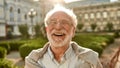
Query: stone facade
[[100, 14], [15, 12]]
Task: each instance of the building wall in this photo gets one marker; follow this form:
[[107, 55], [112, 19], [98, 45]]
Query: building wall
[[16, 13], [99, 14], [2, 19]]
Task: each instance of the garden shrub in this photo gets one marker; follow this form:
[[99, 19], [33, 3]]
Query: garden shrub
[[31, 45], [5, 45], [3, 52], [116, 34], [110, 38], [23, 29], [102, 40], [26, 49], [95, 42], [4, 63], [96, 47], [14, 45], [80, 26]]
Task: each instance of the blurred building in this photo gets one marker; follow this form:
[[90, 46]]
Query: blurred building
[[99, 14], [86, 2], [14, 13]]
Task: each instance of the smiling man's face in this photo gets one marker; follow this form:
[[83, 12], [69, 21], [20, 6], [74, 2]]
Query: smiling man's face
[[60, 29]]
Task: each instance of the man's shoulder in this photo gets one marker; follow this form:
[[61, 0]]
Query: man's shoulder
[[38, 53], [35, 54], [82, 50], [86, 54]]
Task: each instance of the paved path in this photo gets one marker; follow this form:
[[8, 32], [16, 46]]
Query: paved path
[[105, 58], [15, 57], [109, 52]]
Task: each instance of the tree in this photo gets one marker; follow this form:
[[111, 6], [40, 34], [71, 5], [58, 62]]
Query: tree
[[23, 29], [109, 26], [80, 26], [93, 26]]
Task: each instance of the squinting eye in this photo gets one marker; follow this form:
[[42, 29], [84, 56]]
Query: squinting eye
[[52, 22], [65, 22]]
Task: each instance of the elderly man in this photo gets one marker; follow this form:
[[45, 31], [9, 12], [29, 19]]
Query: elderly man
[[60, 51]]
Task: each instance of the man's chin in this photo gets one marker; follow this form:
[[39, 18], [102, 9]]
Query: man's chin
[[58, 44]]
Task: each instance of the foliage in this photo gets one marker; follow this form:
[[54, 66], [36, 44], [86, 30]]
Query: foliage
[[14, 45], [80, 26], [95, 42], [24, 31], [37, 30], [93, 26], [109, 26], [5, 45], [116, 34], [109, 37], [31, 45], [40, 30], [4, 63], [9, 34], [96, 47], [3, 52]]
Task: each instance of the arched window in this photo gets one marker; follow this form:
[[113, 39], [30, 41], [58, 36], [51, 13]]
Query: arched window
[[19, 15], [98, 15], [11, 14], [105, 14], [25, 17], [92, 16], [118, 13], [18, 11], [86, 16]]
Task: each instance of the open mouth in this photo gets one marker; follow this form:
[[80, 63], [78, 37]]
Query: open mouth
[[59, 34]]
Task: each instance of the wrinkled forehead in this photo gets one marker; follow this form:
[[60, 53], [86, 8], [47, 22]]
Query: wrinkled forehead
[[60, 15]]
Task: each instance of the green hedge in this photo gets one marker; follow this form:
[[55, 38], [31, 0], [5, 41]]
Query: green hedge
[[26, 49], [96, 47], [3, 52], [31, 45], [14, 45], [5, 45], [94, 42], [4, 63]]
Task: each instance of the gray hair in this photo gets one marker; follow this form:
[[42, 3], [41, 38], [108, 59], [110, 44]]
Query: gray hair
[[63, 9]]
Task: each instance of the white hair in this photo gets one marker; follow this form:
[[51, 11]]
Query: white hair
[[63, 9]]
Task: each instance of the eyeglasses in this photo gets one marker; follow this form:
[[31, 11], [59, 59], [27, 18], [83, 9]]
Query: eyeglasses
[[62, 22]]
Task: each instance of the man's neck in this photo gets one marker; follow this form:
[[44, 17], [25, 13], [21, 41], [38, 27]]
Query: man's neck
[[59, 51]]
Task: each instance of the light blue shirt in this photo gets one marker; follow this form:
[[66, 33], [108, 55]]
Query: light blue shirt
[[74, 57]]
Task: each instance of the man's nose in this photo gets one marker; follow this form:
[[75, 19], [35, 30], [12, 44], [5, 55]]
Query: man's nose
[[58, 25]]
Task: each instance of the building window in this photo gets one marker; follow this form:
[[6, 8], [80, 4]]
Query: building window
[[98, 15], [25, 17], [11, 14], [92, 15], [112, 14], [105, 14], [118, 13], [18, 11], [19, 16], [86, 16]]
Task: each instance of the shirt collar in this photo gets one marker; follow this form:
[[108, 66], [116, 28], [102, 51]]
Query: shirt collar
[[65, 56]]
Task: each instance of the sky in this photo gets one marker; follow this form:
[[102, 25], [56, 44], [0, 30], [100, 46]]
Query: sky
[[67, 1], [113, 0]]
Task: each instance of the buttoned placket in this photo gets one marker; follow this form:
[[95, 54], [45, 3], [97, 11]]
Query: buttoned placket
[[64, 60]]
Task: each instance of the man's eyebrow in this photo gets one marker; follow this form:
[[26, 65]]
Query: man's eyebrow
[[52, 19]]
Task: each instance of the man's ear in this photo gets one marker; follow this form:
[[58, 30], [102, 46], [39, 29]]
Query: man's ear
[[74, 29]]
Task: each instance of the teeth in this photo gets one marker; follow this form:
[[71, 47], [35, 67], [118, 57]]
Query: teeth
[[58, 34]]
